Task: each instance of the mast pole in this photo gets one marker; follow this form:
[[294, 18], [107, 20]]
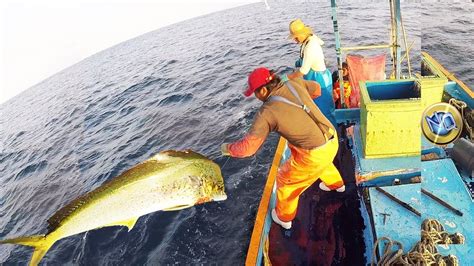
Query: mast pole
[[392, 39], [338, 52], [407, 50], [396, 22]]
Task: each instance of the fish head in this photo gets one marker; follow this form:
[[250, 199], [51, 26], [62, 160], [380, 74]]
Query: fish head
[[205, 177], [213, 183]]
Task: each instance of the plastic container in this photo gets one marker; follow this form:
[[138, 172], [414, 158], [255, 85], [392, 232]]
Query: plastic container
[[390, 118]]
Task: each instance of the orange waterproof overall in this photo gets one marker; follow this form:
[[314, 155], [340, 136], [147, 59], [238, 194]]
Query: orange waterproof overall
[[300, 171]]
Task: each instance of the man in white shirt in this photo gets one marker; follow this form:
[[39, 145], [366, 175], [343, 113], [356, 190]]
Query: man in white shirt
[[312, 66]]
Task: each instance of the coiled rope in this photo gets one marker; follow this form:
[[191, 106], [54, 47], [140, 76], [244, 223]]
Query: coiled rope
[[424, 252], [432, 231], [462, 108]]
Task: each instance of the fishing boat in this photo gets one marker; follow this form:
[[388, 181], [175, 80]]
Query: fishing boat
[[407, 199]]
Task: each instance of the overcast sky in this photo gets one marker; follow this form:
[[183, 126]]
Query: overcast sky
[[40, 38]]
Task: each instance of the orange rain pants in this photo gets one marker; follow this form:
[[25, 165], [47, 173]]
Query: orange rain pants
[[300, 171]]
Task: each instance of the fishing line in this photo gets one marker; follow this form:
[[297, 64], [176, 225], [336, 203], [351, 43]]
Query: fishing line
[[220, 156], [222, 168]]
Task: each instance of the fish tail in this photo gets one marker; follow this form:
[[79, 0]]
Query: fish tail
[[41, 244]]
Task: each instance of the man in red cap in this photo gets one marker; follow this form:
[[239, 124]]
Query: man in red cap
[[288, 109]]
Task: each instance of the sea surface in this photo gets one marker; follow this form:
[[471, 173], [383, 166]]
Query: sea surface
[[448, 35], [179, 87]]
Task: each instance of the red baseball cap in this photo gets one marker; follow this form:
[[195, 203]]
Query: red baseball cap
[[257, 79]]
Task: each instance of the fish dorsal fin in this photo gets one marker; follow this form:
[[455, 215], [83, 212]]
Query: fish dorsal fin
[[127, 223], [178, 207]]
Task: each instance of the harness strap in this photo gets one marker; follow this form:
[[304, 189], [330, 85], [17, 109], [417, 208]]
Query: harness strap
[[305, 43], [285, 100], [327, 132], [297, 96]]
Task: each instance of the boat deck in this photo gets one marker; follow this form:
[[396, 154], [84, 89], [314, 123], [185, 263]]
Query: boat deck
[[392, 220], [328, 228], [441, 178]]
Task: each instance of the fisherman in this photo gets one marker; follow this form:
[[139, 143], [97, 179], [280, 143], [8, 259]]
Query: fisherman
[[312, 66], [289, 110], [336, 88]]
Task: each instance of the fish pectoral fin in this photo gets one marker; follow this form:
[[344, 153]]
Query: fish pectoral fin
[[178, 207], [128, 223]]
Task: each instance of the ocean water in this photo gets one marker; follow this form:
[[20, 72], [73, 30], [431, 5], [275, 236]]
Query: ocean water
[[447, 34], [178, 87]]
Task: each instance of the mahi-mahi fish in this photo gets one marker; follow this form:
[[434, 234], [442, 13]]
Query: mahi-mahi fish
[[170, 180]]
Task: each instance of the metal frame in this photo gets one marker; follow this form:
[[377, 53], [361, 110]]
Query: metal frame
[[396, 25]]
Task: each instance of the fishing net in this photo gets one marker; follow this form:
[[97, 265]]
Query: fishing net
[[361, 69]]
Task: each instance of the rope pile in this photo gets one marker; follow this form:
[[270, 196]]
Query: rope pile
[[463, 109], [432, 231], [424, 252]]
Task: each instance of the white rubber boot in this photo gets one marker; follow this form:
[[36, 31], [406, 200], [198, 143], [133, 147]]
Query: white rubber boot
[[286, 225], [323, 186], [341, 189]]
